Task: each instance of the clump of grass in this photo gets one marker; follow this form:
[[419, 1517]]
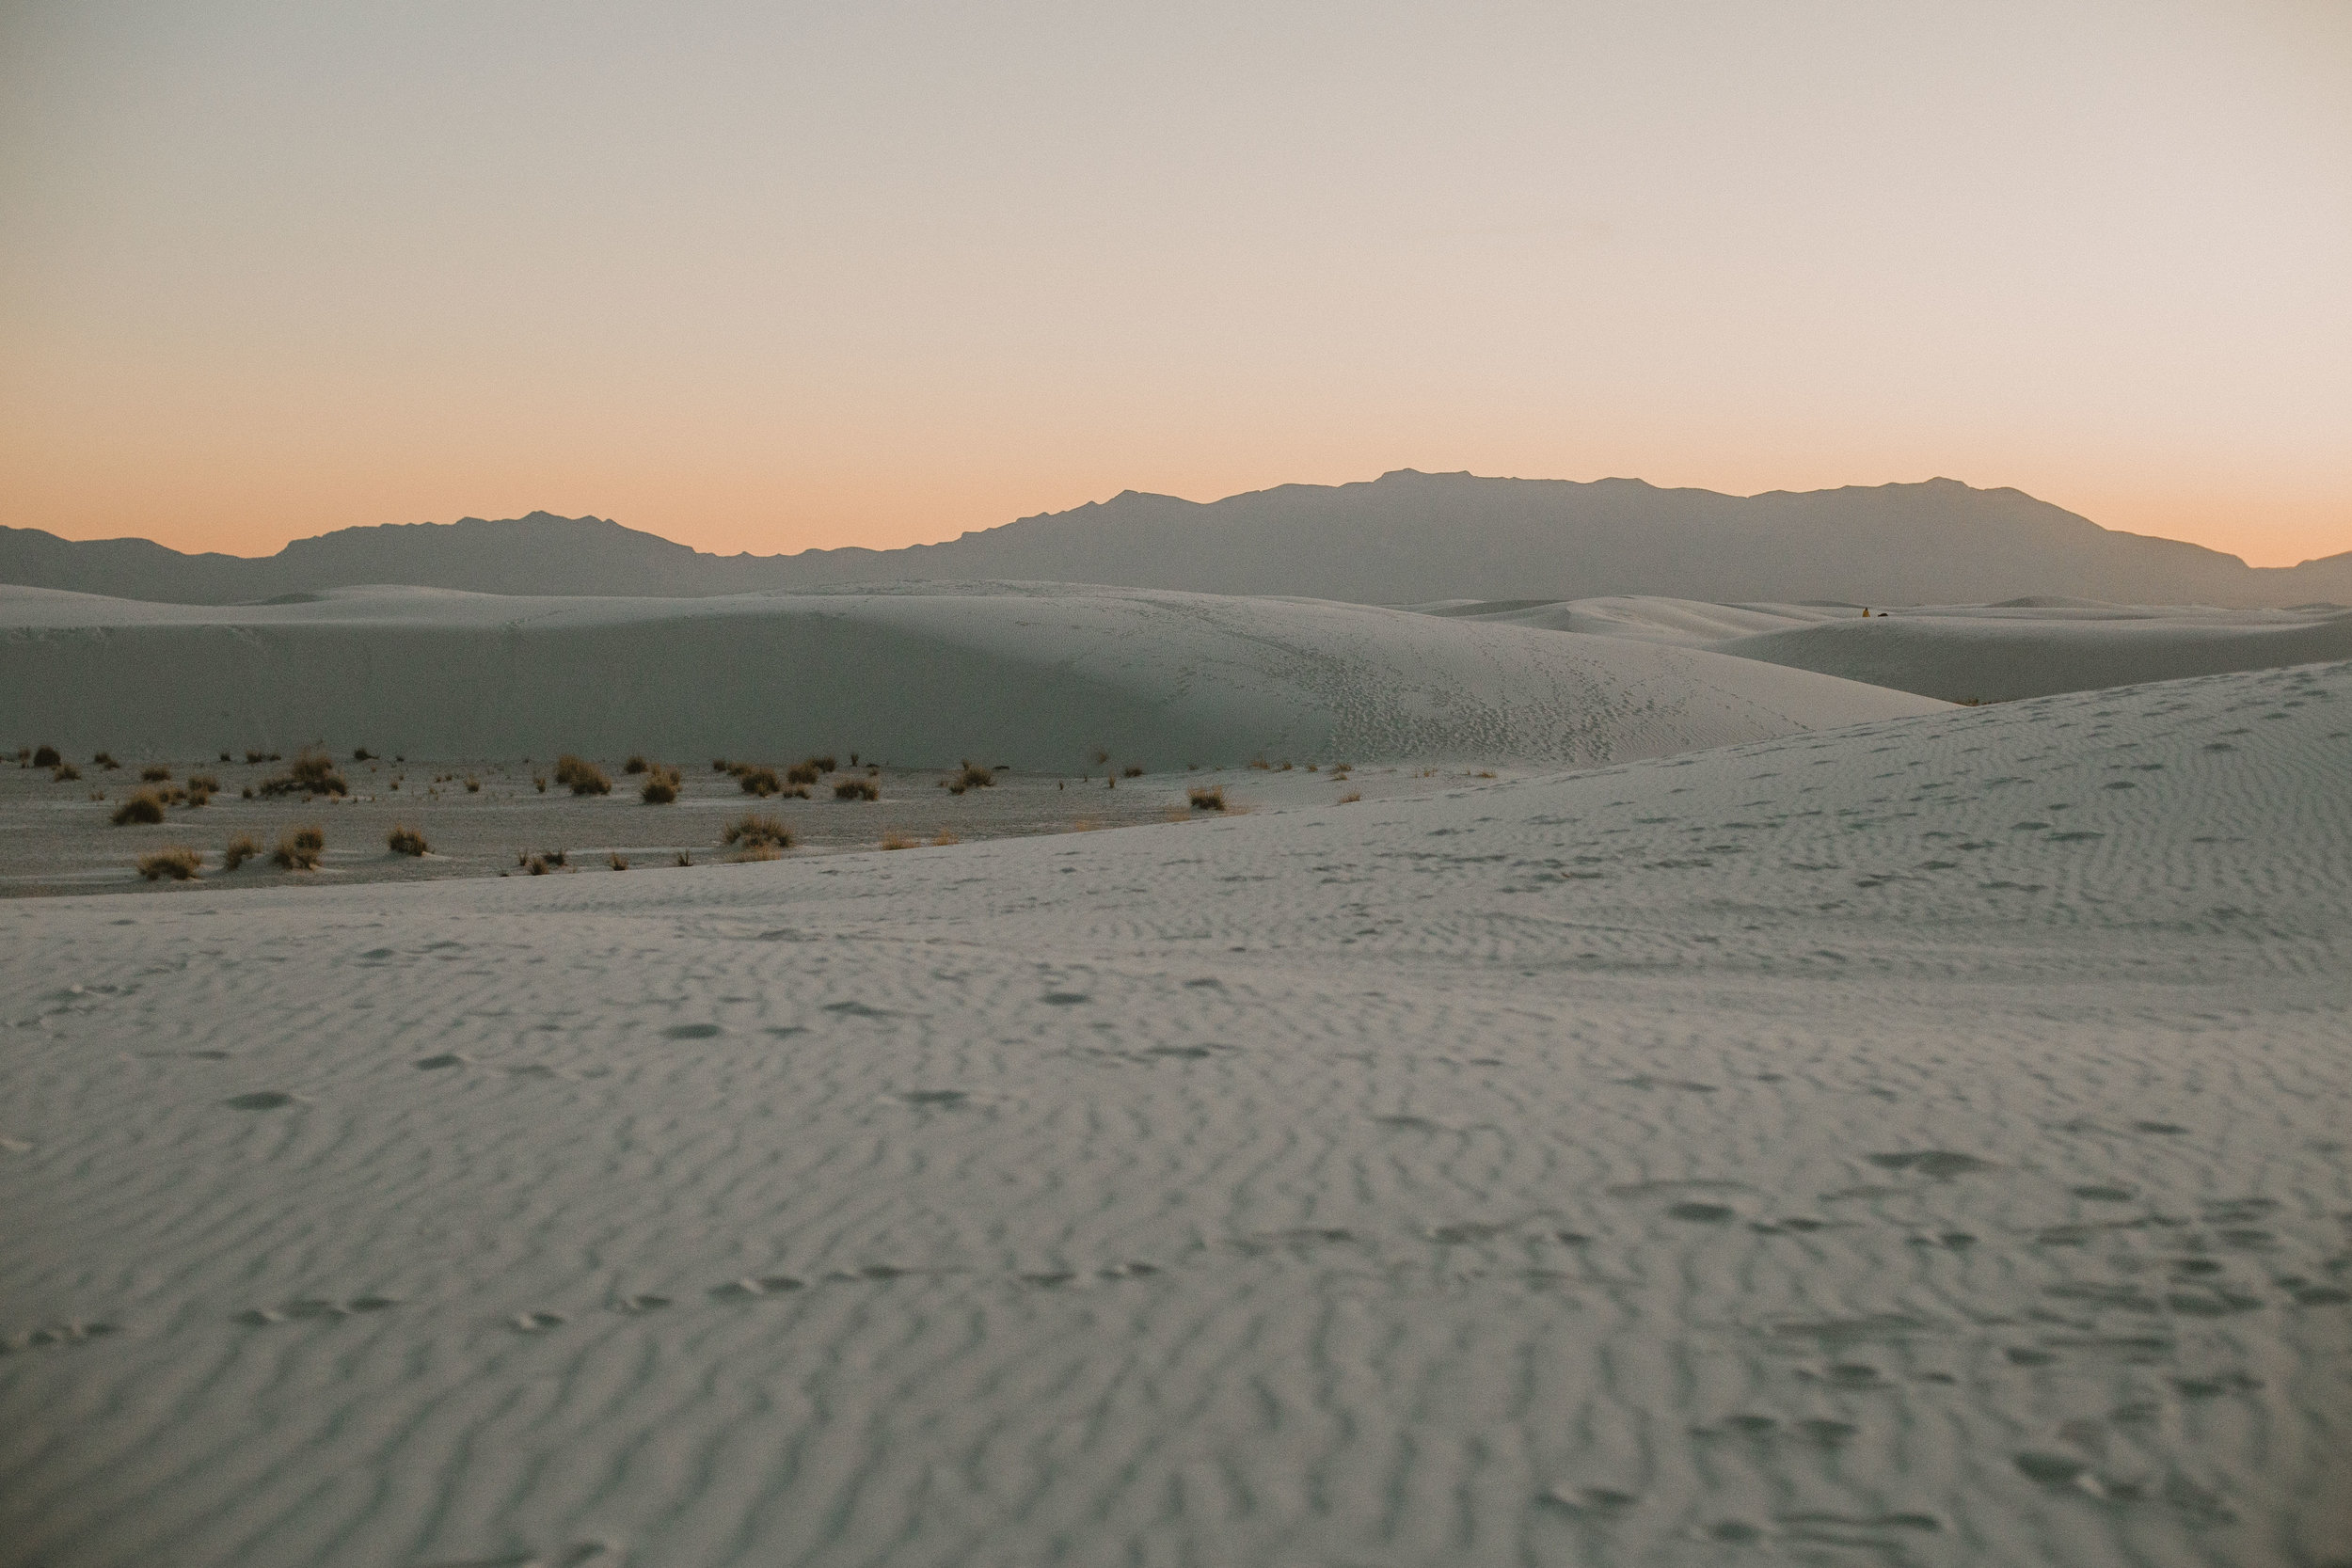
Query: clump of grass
[[535, 864], [899, 841], [104, 759], [252, 757], [178, 861], [47, 757], [407, 841], [154, 772], [240, 848], [1133, 770], [224, 757], [361, 753], [635, 764], [541, 780], [720, 765], [802, 772], [758, 782], [856, 790], [473, 785], [755, 833], [1351, 797], [311, 773], [146, 809], [300, 849], [1262, 765], [945, 836], [686, 857], [66, 774], [582, 776], [1207, 798], [617, 861], [661, 785], [201, 788], [970, 777], [825, 763]]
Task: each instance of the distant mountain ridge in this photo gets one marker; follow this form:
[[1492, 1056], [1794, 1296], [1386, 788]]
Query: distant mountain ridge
[[1407, 537]]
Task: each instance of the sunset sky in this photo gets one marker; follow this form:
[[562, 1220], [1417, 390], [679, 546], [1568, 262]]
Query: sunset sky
[[769, 276]]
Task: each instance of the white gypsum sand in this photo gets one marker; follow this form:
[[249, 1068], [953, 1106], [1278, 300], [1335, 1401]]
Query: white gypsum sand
[[2032, 647], [1921, 1143], [1040, 676]]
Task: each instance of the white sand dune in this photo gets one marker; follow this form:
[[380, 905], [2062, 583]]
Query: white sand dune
[[1037, 675], [2031, 647], [1923, 1143]]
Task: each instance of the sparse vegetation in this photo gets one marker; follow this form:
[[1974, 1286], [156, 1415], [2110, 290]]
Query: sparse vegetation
[[178, 861], [300, 849], [970, 777], [361, 754], [757, 832], [473, 785], [1207, 798], [258, 756], [634, 765], [824, 765], [66, 774], [311, 773], [802, 772], [144, 809], [1133, 770], [540, 780], [759, 782], [104, 759], [661, 786], [945, 836], [582, 776], [240, 848], [856, 790], [407, 841], [154, 772], [899, 841], [686, 857], [47, 757], [1351, 797], [617, 861]]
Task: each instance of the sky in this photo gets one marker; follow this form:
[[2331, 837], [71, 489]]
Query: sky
[[767, 277]]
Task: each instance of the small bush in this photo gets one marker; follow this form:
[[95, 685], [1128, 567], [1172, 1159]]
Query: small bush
[[617, 861], [179, 862], [822, 764], [66, 774], [634, 765], [361, 754], [240, 849], [154, 772], [312, 773], [145, 808], [970, 778], [537, 866], [224, 757], [104, 759], [582, 776], [899, 841], [754, 831], [1351, 797], [686, 857], [802, 772], [945, 836], [1131, 771], [407, 841], [47, 757], [856, 790], [1207, 798], [720, 765], [300, 849], [540, 780], [660, 786], [760, 782], [256, 756]]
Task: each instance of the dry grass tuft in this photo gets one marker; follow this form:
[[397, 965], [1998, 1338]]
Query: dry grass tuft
[[104, 759], [47, 757], [1207, 798], [300, 849], [240, 849], [541, 780], [804, 772], [582, 776], [145, 809], [754, 832], [473, 785], [970, 777], [66, 774], [635, 764], [617, 861], [312, 774], [251, 757], [760, 852], [686, 857], [407, 841], [759, 782], [899, 841], [154, 772], [661, 785], [825, 763], [1351, 797], [945, 837], [856, 790], [179, 862], [1133, 770]]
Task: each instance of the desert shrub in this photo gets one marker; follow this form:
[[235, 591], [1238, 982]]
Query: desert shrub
[[47, 757], [179, 862], [224, 757], [720, 765], [312, 773], [802, 772], [1262, 765], [104, 759], [1131, 771], [361, 753], [760, 782], [558, 857], [1101, 756], [204, 782], [970, 777], [945, 836], [686, 857], [755, 829], [66, 774], [300, 849], [256, 756], [146, 808], [540, 780], [473, 785], [856, 790], [154, 772], [617, 861], [537, 866], [1351, 797], [899, 841], [660, 786], [406, 841], [197, 793], [1207, 798], [582, 776], [240, 849], [824, 765], [246, 793], [634, 765]]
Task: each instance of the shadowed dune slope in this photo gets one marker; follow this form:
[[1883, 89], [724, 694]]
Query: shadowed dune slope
[[1032, 676]]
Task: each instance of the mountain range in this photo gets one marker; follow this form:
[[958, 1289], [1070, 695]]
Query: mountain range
[[1407, 537]]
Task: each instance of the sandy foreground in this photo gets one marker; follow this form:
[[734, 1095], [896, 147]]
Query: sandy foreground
[[1923, 1142]]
